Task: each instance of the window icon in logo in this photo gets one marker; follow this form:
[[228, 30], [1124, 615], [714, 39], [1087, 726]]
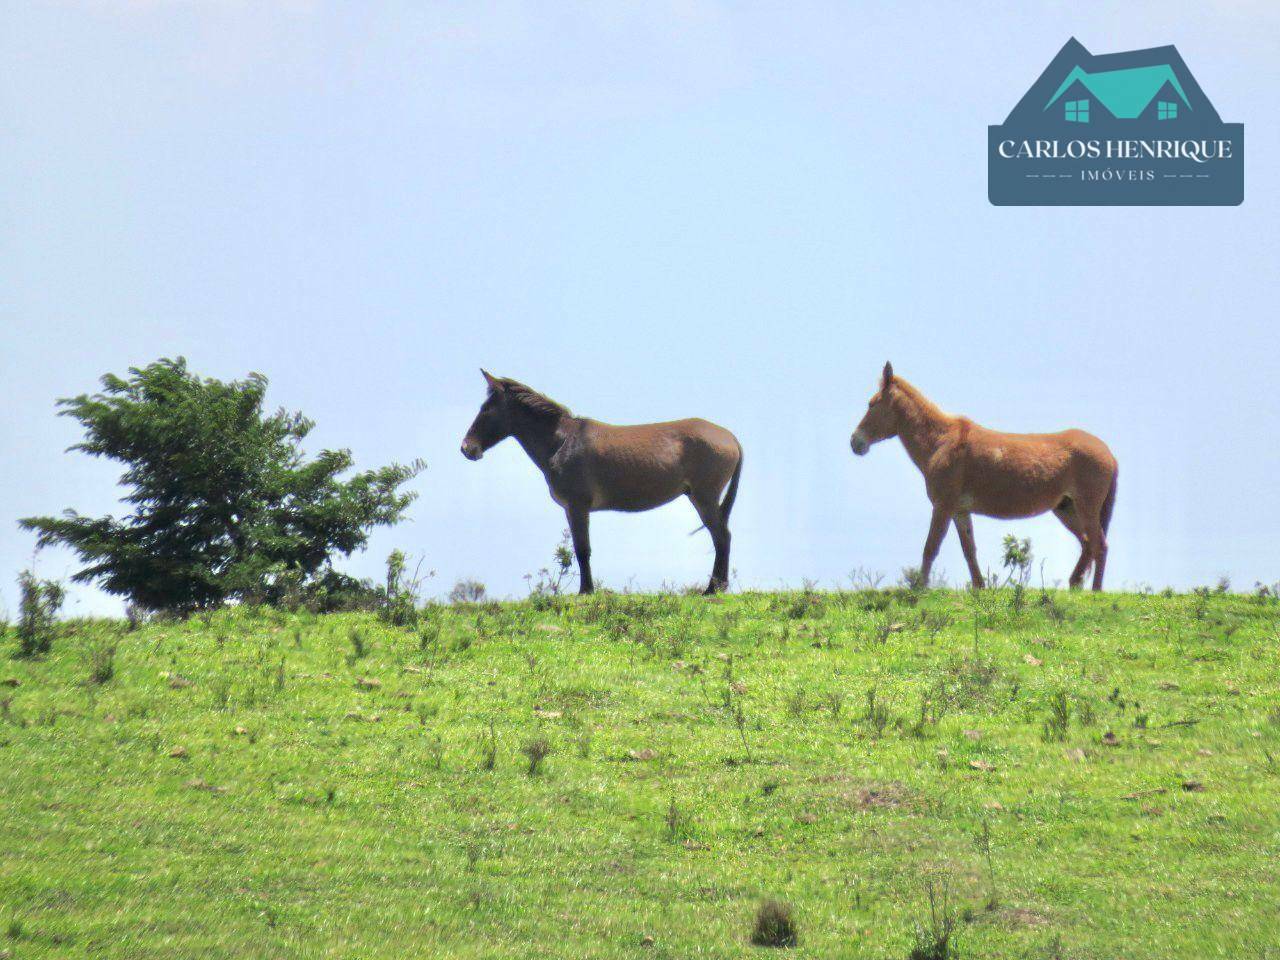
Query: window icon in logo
[[1077, 111], [1166, 110]]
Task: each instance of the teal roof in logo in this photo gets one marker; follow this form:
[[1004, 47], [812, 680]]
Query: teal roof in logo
[[1125, 93]]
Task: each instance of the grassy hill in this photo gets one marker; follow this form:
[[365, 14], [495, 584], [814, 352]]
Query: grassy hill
[[1087, 776]]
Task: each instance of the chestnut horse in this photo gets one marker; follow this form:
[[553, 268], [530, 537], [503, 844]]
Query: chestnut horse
[[969, 469], [591, 465]]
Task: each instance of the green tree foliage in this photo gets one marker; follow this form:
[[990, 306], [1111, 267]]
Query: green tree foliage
[[224, 503]]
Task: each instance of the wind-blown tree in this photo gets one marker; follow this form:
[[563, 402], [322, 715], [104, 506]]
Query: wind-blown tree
[[224, 502]]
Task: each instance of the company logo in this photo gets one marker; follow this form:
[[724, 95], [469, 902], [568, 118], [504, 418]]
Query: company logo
[[1130, 128]]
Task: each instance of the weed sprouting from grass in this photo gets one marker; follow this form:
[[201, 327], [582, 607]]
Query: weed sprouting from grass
[[584, 743], [489, 749], [740, 721], [474, 850], [221, 689], [1052, 609], [807, 603], [798, 702], [1018, 599], [933, 622], [935, 935], [835, 703], [358, 650], [1085, 711], [774, 925], [1269, 761], [930, 712], [102, 662], [675, 820], [1057, 723], [429, 636], [983, 842], [536, 751], [883, 628], [877, 716]]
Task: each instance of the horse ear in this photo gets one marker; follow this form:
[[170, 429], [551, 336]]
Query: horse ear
[[494, 384], [887, 377]]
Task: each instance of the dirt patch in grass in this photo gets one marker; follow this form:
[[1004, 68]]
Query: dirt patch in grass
[[866, 794], [878, 795], [1018, 918]]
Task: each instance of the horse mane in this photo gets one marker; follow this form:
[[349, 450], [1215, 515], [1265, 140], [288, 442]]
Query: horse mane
[[917, 399], [530, 400]]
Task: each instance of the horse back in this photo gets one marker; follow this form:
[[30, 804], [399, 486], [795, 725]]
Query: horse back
[[640, 466], [1022, 474]]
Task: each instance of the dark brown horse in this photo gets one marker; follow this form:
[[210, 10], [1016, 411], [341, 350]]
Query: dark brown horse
[[591, 465], [969, 469]]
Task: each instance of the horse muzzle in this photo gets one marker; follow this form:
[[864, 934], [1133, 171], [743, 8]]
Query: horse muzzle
[[471, 450], [859, 445]]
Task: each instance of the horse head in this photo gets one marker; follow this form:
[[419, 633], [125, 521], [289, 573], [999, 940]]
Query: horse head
[[492, 424], [881, 419]]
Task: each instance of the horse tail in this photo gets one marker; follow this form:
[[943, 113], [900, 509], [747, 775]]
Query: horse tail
[[731, 493], [1109, 504]]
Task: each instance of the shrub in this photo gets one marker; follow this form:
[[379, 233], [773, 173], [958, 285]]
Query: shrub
[[774, 926], [535, 752], [935, 937], [334, 592], [913, 579], [225, 504], [550, 581], [467, 591], [1017, 559], [399, 606], [38, 605]]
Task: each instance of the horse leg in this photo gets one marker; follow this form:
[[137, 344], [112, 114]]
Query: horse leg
[[933, 542], [1066, 512], [1098, 540], [709, 514], [580, 529], [964, 527]]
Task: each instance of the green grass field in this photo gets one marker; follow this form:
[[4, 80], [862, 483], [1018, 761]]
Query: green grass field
[[1095, 776]]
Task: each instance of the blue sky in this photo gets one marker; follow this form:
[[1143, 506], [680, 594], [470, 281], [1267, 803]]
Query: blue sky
[[650, 211]]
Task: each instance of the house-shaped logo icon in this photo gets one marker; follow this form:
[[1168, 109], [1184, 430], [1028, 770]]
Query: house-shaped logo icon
[[1115, 129]]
